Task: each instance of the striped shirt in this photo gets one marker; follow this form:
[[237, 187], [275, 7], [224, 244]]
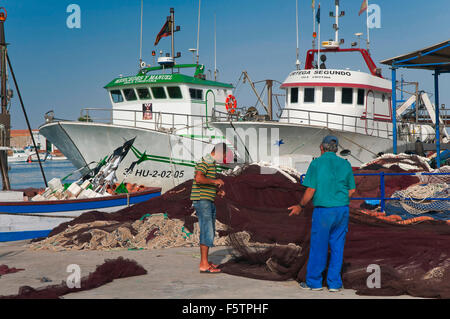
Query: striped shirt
[[207, 166]]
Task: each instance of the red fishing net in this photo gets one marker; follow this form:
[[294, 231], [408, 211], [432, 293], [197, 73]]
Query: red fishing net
[[4, 269], [414, 259], [111, 269]]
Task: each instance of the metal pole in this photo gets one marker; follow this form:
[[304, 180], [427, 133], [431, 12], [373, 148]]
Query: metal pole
[[436, 111], [367, 26], [318, 43], [26, 119], [215, 49], [5, 118], [382, 194], [336, 32], [198, 28], [417, 102], [314, 26], [140, 40], [269, 98], [394, 110], [172, 22], [297, 61]]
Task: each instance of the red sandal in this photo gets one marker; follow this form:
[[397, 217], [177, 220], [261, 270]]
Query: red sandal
[[211, 270]]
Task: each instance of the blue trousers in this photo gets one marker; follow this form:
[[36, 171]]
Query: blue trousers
[[206, 213], [329, 228]]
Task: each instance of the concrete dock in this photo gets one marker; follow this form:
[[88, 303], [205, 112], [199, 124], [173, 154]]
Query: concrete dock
[[172, 273]]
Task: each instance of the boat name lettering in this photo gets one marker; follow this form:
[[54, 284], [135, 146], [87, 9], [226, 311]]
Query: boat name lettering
[[324, 72], [144, 79], [161, 174]]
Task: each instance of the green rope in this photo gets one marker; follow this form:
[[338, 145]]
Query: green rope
[[149, 215], [188, 234]]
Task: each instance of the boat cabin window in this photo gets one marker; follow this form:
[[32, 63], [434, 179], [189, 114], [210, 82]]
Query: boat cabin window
[[144, 93], [347, 96], [130, 95], [116, 96], [158, 92], [196, 94], [294, 95], [360, 97], [328, 95], [309, 95], [174, 92]]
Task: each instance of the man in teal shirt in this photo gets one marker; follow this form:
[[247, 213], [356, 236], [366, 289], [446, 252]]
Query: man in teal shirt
[[330, 184]]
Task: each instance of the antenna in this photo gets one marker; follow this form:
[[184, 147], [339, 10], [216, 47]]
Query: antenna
[[337, 15], [367, 25], [172, 26], [140, 42], [198, 29], [193, 50], [359, 34], [297, 61], [336, 35], [215, 49]]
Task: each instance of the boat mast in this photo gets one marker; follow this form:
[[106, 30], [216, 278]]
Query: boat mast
[[215, 49], [297, 61], [140, 42], [172, 27], [198, 28], [367, 26], [5, 118]]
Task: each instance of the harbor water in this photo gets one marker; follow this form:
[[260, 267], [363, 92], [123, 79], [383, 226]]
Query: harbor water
[[25, 175]]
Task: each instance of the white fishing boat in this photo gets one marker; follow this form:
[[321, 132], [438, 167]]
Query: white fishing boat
[[168, 112], [354, 105], [18, 156]]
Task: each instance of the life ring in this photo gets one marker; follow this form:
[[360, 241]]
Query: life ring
[[230, 103]]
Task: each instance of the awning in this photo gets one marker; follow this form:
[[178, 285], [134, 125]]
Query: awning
[[435, 57]]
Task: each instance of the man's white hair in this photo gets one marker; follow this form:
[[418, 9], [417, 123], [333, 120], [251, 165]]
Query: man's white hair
[[330, 147]]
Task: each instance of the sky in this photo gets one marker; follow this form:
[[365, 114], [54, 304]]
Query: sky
[[65, 69]]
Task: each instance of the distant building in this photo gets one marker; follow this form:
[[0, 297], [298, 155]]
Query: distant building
[[22, 138]]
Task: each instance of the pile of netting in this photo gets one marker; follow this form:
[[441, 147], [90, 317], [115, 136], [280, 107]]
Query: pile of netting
[[427, 199], [105, 273], [151, 231], [413, 258]]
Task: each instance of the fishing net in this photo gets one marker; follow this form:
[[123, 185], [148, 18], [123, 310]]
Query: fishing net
[[108, 271], [439, 179], [151, 231], [413, 257], [4, 270], [404, 162], [414, 199]]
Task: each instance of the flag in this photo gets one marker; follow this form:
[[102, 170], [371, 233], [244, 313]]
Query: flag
[[318, 15], [165, 31], [363, 7], [313, 4]]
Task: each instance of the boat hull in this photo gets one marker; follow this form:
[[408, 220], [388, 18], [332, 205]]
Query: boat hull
[[162, 159], [292, 140], [28, 220]]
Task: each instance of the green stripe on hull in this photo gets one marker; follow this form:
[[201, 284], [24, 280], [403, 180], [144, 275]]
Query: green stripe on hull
[[142, 157]]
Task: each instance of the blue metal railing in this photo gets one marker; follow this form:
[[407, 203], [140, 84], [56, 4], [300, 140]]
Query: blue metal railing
[[383, 197]]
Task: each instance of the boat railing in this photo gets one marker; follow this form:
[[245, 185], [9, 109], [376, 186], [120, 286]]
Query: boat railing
[[335, 121], [358, 124], [198, 125], [181, 123]]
